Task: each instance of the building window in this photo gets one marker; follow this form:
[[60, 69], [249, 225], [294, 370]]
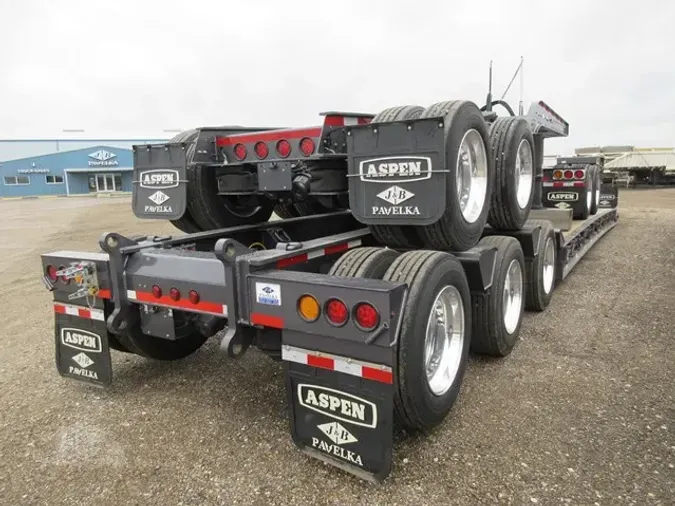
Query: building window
[[17, 180], [54, 179]]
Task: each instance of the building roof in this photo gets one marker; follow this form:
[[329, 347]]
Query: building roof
[[644, 160]]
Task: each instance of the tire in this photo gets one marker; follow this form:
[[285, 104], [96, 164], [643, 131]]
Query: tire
[[452, 231], [285, 211], [582, 211], [156, 348], [186, 223], [210, 211], [596, 190], [369, 263], [492, 335], [540, 284], [512, 150], [427, 274], [390, 235]]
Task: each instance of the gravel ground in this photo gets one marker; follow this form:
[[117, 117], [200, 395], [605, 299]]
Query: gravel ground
[[582, 412]]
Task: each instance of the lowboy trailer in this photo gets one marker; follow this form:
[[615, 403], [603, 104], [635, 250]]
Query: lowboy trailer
[[372, 309]]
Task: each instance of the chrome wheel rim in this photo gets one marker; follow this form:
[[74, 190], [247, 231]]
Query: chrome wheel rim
[[444, 340], [512, 297], [471, 175], [523, 173], [548, 267]]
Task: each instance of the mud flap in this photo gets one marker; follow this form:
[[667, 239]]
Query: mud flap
[[160, 181], [562, 198], [341, 419], [609, 196], [82, 350]]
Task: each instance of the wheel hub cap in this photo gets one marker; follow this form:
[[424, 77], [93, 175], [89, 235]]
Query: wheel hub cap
[[444, 340], [512, 297], [523, 174], [548, 265], [471, 175]]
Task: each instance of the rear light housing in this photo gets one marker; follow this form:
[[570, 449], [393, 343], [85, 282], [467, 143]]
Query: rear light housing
[[366, 316], [283, 148], [174, 293], [569, 174], [63, 278], [156, 291], [240, 152], [579, 174], [193, 296], [557, 174], [307, 146], [261, 150], [50, 272], [337, 312]]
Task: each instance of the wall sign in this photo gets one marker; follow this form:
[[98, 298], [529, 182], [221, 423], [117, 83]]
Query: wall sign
[[33, 171], [103, 158]]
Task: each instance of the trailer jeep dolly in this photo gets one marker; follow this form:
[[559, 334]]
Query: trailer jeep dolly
[[373, 309]]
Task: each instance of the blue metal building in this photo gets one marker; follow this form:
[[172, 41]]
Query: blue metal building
[[66, 167]]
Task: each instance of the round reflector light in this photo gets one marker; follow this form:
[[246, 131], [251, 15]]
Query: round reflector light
[[156, 291], [308, 308], [240, 151], [557, 174], [51, 272], [194, 296], [307, 146], [261, 150], [174, 293], [366, 316], [569, 174], [283, 148], [337, 312], [579, 174], [63, 278]]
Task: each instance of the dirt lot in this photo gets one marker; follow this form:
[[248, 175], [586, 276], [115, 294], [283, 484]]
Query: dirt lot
[[582, 412]]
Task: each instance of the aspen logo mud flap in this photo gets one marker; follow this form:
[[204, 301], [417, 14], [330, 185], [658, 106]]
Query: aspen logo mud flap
[[160, 181], [397, 172], [609, 196], [82, 351]]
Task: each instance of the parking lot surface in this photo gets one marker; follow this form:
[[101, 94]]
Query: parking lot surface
[[582, 412]]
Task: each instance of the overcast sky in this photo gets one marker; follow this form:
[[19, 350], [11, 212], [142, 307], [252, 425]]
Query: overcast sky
[[137, 67]]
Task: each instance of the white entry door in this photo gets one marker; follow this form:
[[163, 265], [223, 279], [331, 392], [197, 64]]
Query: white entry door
[[108, 182]]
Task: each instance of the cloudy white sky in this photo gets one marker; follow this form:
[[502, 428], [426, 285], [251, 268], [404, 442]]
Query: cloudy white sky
[[137, 67]]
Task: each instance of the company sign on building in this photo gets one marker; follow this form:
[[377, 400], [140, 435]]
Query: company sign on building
[[103, 158]]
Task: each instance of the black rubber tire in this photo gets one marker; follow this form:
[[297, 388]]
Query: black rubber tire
[[596, 188], [490, 334], [369, 263], [452, 231], [582, 212], [162, 349], [186, 223], [209, 210], [285, 211], [536, 298], [426, 273], [390, 235], [506, 135]]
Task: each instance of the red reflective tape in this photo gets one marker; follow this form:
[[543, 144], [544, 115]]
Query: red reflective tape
[[84, 313], [321, 362], [377, 375], [267, 320], [579, 184], [330, 250], [364, 121], [287, 262], [271, 135], [60, 309], [209, 307], [558, 184], [104, 294], [334, 121]]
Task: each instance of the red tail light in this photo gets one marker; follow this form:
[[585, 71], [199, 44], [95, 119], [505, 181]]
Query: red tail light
[[283, 148], [366, 316], [240, 151], [174, 293], [307, 146], [63, 278], [194, 296], [579, 174], [156, 291], [569, 174], [51, 273], [337, 312], [261, 150]]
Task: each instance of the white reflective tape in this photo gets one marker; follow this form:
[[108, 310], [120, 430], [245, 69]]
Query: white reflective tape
[[71, 310], [349, 121], [81, 312], [131, 294], [354, 243], [315, 254], [293, 355], [340, 364]]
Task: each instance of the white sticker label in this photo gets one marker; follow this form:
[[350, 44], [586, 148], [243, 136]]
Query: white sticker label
[[268, 293]]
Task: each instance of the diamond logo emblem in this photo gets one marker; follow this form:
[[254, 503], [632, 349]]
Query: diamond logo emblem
[[337, 433], [83, 360], [395, 195], [159, 197]]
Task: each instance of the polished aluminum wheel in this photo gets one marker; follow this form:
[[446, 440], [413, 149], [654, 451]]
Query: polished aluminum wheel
[[548, 266], [444, 340], [523, 173], [471, 175], [512, 296]]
